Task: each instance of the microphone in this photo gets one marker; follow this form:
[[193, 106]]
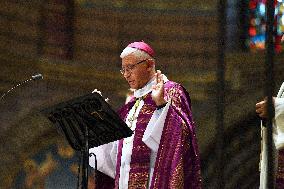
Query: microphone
[[37, 77], [34, 77]]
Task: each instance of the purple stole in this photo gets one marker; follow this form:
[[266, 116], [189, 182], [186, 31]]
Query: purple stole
[[123, 114], [140, 158], [280, 170]]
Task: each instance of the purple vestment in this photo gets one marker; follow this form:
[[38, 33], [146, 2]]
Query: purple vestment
[[177, 164]]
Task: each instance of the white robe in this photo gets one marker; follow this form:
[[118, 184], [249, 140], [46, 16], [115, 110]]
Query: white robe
[[278, 137], [107, 154]]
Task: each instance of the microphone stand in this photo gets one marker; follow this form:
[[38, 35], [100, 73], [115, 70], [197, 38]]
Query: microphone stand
[[34, 77], [85, 154]]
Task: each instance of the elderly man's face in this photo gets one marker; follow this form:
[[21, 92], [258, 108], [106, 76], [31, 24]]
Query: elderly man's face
[[136, 71]]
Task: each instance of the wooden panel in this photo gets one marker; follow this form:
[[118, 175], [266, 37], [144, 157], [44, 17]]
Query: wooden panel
[[56, 52], [24, 29], [16, 46], [91, 42], [182, 65], [4, 42], [4, 25], [147, 16], [186, 47], [104, 59], [27, 10], [55, 6], [23, 48], [106, 27], [184, 35], [165, 25]]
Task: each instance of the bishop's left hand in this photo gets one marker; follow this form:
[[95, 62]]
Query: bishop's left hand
[[158, 89]]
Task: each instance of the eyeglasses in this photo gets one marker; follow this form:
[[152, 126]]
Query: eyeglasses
[[129, 68]]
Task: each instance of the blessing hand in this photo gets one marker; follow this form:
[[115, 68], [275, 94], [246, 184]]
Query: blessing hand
[[158, 89]]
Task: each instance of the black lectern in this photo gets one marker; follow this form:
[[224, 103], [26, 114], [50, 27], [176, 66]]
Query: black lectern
[[87, 121]]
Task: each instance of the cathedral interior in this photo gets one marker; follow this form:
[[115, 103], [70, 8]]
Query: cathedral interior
[[75, 45]]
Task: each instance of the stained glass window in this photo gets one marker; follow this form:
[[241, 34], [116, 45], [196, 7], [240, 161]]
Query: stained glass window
[[257, 24]]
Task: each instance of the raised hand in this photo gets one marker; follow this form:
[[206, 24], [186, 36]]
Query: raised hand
[[158, 89]]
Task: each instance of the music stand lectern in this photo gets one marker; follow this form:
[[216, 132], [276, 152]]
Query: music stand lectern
[[86, 122]]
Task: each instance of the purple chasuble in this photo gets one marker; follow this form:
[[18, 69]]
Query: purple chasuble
[[177, 164]]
